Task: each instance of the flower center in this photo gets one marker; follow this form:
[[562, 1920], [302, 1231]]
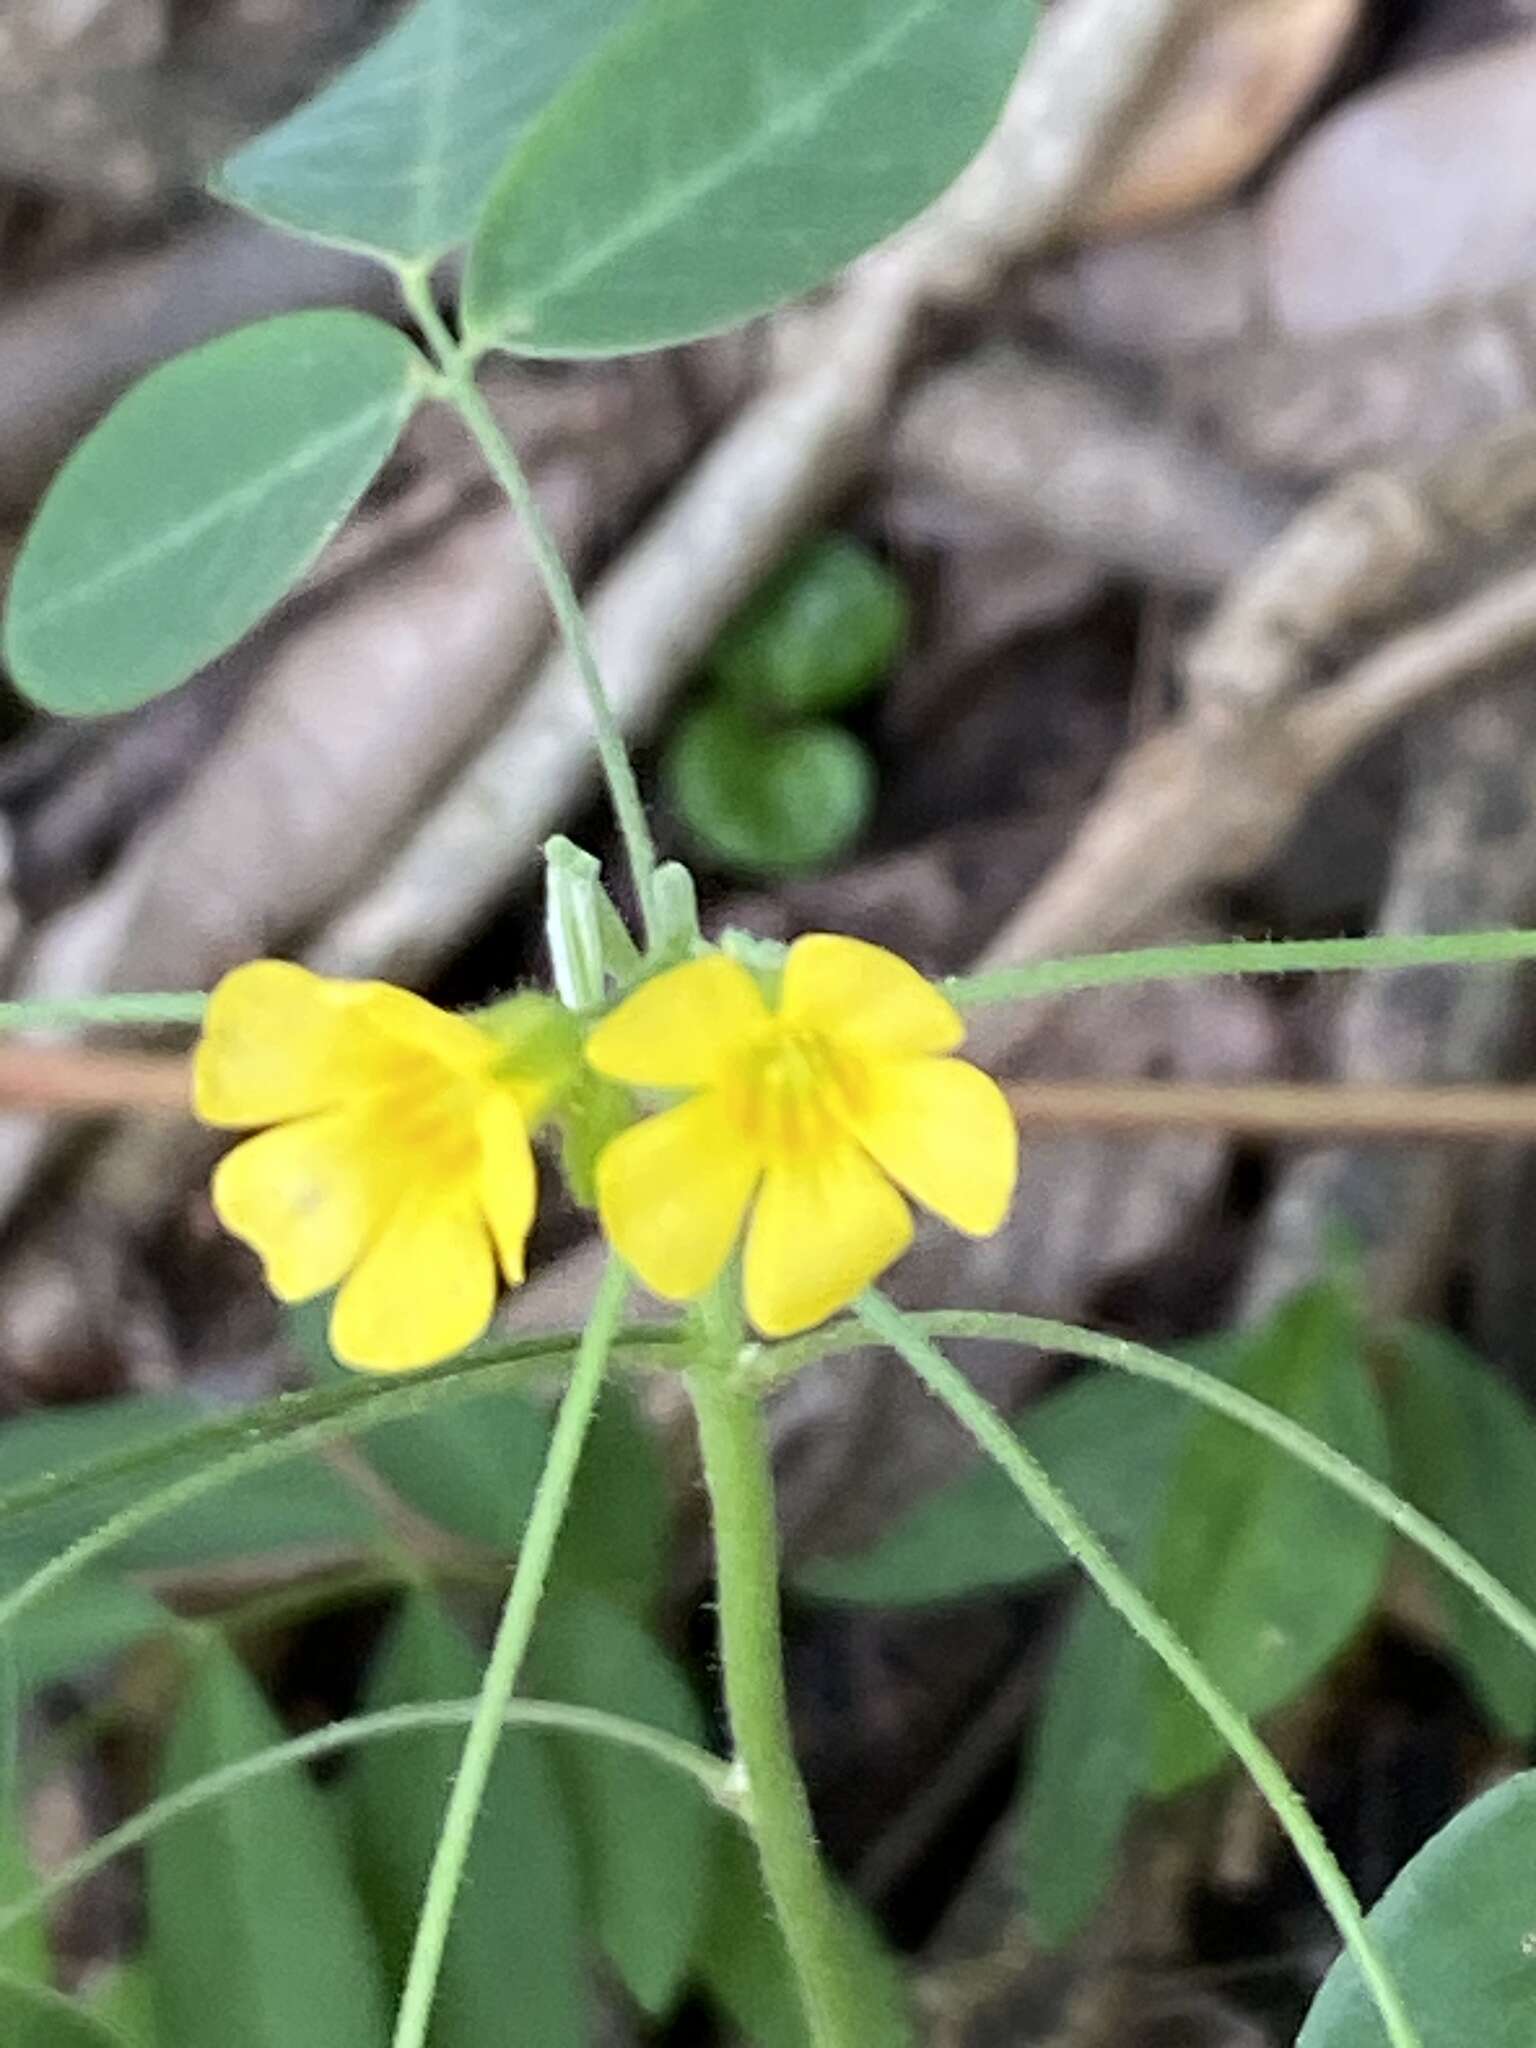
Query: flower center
[[426, 1123], [791, 1093]]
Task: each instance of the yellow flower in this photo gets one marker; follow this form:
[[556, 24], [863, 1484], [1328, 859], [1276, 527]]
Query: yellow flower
[[398, 1163], [815, 1108]]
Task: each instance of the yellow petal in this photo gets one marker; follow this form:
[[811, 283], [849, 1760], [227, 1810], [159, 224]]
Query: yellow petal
[[822, 1230], [278, 1042], [869, 999], [508, 1185], [678, 1030], [423, 1290], [672, 1192], [944, 1130], [411, 1022], [307, 1197]]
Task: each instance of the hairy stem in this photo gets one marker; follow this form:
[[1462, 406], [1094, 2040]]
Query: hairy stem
[[227, 1445], [1239, 956], [707, 1771], [44, 1013], [950, 1386], [516, 1626], [459, 387], [740, 1482], [281, 1429], [1282, 1430]]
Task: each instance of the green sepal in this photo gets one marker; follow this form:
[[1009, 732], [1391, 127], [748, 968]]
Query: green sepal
[[763, 959], [592, 1114], [675, 898], [541, 1046], [589, 943]]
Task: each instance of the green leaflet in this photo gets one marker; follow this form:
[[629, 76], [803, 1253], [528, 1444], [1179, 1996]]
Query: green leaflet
[[640, 211], [24, 1950], [767, 800], [257, 1936], [632, 1818], [1088, 1765], [1104, 1439], [1455, 1929], [199, 501], [32, 2017], [1265, 1569], [471, 1469], [397, 155], [123, 1999], [743, 1966], [88, 1619], [512, 1974], [1464, 1449], [617, 1529], [308, 1507], [820, 634]]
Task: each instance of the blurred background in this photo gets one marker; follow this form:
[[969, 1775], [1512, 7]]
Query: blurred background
[[1145, 554]]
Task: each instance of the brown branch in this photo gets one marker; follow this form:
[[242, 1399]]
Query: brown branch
[[788, 457], [1277, 1109], [1204, 801], [77, 1080]]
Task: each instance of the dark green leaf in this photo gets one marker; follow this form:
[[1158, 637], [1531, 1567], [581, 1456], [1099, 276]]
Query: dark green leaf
[[303, 1505], [124, 2000], [1464, 1452], [512, 1970], [1457, 1930], [24, 1950], [10, 1724], [744, 1968], [1265, 1569], [618, 1525], [257, 1936], [1088, 1766], [397, 155], [1106, 1441], [633, 1817], [743, 1963], [471, 1468], [202, 498], [635, 213], [32, 2017], [819, 635], [768, 800], [1108, 1702], [83, 1622]]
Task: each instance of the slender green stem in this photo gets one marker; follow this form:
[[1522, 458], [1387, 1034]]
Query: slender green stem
[[706, 1770], [740, 1482], [516, 1626], [950, 1386], [1239, 956], [1290, 1436], [227, 1446], [464, 394], [48, 1013]]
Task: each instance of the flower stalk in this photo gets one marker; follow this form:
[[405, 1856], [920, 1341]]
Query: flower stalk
[[462, 392], [949, 1386], [739, 1478], [507, 1652]]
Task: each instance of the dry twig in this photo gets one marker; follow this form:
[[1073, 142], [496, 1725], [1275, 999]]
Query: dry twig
[[791, 453]]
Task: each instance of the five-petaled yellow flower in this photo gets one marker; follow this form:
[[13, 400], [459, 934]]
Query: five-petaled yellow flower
[[398, 1163], [821, 1109]]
